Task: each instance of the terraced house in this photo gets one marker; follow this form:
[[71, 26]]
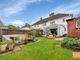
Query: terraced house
[[54, 23]]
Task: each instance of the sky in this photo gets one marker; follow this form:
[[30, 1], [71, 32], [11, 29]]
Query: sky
[[19, 12]]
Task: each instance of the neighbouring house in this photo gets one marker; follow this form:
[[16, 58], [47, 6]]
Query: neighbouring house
[[2, 26], [54, 23], [6, 32], [26, 27], [74, 27], [1, 23]]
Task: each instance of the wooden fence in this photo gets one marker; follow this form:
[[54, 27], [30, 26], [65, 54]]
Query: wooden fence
[[13, 31]]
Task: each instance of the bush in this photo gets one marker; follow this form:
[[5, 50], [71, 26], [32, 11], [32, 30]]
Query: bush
[[16, 38], [68, 42], [27, 36], [64, 35], [1, 43], [6, 42]]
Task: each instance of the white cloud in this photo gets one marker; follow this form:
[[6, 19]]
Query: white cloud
[[17, 6], [73, 8], [18, 23]]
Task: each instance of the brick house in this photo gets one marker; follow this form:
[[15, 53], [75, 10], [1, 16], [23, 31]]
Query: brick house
[[74, 27]]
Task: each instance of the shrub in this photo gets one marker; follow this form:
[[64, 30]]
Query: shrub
[[33, 33], [4, 42], [68, 42], [27, 36], [16, 38], [1, 43]]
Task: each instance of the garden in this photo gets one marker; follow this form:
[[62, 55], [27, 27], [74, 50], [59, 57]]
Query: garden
[[40, 48], [43, 49], [13, 43]]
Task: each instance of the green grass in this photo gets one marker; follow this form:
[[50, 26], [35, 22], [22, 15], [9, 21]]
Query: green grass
[[45, 49]]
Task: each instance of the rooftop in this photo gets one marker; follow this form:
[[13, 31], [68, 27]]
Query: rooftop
[[52, 16], [1, 23], [26, 25]]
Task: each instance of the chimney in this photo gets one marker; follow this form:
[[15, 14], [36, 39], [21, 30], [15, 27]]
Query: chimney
[[41, 18], [51, 14]]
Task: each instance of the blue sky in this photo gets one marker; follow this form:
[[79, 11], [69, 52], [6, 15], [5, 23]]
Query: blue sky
[[19, 12]]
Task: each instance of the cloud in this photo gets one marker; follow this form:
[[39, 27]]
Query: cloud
[[17, 6], [18, 23], [73, 8]]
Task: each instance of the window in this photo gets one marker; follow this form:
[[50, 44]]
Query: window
[[35, 25], [63, 20], [52, 22], [65, 29]]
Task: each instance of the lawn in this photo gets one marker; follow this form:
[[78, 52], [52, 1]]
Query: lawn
[[44, 49]]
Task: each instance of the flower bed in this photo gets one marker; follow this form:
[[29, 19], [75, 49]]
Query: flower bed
[[71, 43]]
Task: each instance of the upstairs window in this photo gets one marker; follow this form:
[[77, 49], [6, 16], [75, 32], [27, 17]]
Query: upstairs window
[[52, 22], [63, 20]]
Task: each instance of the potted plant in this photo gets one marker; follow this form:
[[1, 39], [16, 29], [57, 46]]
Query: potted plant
[[3, 46], [17, 39], [12, 44]]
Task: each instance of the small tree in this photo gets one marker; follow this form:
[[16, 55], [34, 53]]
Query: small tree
[[33, 34]]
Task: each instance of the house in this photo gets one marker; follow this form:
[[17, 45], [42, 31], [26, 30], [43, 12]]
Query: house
[[74, 27], [10, 31], [26, 27], [54, 23], [2, 26], [1, 23]]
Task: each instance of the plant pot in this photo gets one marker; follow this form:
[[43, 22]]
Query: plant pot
[[10, 46], [25, 42], [3, 47]]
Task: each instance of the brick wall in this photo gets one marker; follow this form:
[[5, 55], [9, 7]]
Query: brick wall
[[72, 30]]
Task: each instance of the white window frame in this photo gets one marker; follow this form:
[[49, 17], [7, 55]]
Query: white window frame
[[52, 22]]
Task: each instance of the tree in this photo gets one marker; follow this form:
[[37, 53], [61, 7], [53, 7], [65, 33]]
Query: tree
[[12, 27]]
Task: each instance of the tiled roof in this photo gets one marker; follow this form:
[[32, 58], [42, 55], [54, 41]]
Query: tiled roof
[[74, 18], [52, 17], [1, 23], [26, 25]]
